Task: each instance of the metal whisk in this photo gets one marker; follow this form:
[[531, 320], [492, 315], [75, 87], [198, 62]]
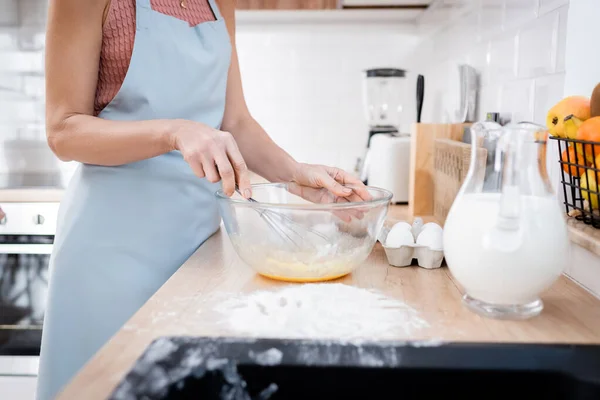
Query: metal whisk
[[288, 229]]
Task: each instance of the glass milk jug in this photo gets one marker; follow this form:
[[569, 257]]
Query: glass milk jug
[[505, 237]]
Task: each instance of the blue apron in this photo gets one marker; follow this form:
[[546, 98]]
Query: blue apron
[[123, 231]]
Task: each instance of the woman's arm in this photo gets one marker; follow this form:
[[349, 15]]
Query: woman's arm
[[74, 39], [262, 154]]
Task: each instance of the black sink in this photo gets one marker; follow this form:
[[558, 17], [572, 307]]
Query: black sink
[[233, 369]]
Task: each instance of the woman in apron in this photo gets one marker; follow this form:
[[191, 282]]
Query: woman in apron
[[146, 95]]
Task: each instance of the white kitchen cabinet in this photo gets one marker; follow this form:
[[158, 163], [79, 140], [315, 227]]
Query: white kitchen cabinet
[[17, 387]]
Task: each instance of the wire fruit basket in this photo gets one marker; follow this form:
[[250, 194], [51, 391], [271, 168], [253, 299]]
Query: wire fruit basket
[[579, 161]]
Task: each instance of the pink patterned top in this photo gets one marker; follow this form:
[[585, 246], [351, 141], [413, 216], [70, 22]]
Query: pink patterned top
[[118, 36]]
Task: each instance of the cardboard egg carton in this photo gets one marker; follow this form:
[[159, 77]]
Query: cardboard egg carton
[[403, 256]]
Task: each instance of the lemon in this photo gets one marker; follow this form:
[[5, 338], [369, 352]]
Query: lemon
[[588, 187]]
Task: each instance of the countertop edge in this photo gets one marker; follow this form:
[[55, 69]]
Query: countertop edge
[[584, 235]]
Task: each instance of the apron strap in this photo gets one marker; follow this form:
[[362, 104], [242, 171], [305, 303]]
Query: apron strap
[[215, 9], [143, 3], [212, 4]]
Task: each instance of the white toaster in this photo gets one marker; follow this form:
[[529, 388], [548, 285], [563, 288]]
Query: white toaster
[[389, 164]]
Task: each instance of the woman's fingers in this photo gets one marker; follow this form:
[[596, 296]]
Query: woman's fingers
[[242, 174], [326, 181], [350, 181], [321, 196], [226, 172], [210, 168]]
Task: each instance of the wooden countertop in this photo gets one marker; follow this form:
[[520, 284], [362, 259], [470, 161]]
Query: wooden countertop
[[571, 314]]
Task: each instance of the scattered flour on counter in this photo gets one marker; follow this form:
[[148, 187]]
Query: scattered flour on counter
[[269, 357], [316, 311]]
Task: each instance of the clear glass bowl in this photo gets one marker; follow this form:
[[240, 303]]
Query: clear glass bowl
[[284, 237]]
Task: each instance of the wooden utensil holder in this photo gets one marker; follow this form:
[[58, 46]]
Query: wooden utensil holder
[[422, 173], [452, 161]]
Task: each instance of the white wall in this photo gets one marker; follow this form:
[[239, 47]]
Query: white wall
[[518, 47], [303, 82], [582, 75], [519, 50], [583, 66]]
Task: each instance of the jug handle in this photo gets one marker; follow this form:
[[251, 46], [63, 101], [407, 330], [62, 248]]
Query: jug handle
[[506, 234], [507, 158]]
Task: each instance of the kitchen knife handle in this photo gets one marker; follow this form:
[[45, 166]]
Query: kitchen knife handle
[[420, 95]]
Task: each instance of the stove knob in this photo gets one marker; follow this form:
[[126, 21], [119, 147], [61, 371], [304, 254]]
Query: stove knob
[[39, 219]]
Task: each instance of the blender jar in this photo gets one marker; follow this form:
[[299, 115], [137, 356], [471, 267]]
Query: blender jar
[[384, 90]]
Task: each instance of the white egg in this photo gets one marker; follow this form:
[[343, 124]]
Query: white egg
[[399, 236], [432, 225], [401, 225], [417, 225], [431, 237]]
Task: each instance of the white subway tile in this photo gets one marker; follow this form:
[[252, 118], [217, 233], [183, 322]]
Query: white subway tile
[[9, 13], [10, 83], [31, 39], [8, 39], [479, 58], [34, 86], [33, 13], [519, 12], [537, 46], [548, 91], [502, 63], [13, 61], [517, 99], [561, 45], [489, 100], [491, 14], [550, 5], [16, 111]]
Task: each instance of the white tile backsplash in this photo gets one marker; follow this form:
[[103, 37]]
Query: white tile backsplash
[[518, 12], [519, 53], [551, 5], [304, 84], [537, 46], [16, 61], [517, 99], [503, 61], [547, 92], [561, 39]]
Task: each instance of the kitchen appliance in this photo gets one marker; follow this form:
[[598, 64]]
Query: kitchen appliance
[[505, 238], [390, 165], [461, 94], [385, 93], [420, 96], [469, 87], [26, 240]]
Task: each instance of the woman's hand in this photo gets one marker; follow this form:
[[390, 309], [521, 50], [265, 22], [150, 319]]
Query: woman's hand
[[321, 184], [212, 154], [2, 214], [317, 183]]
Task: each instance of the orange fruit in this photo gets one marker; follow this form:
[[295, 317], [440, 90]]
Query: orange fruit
[[590, 130], [573, 157]]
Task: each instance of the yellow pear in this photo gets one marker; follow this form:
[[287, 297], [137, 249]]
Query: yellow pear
[[578, 106], [571, 125]]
